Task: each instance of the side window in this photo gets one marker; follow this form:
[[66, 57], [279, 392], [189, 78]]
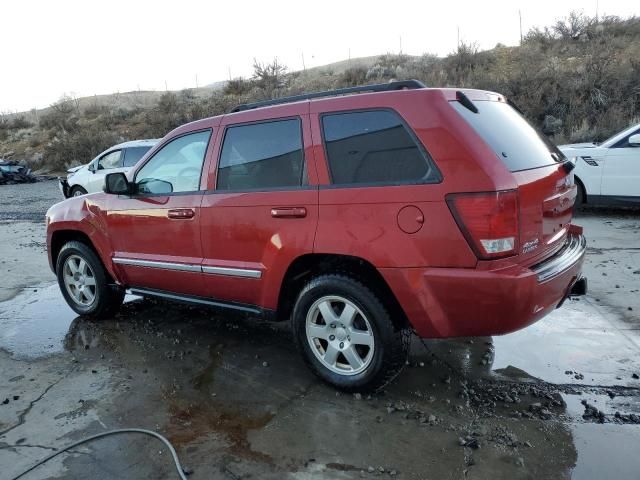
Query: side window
[[110, 160], [176, 167], [133, 154], [262, 155], [374, 147]]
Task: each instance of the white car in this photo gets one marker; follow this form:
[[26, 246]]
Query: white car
[[89, 178], [608, 173]]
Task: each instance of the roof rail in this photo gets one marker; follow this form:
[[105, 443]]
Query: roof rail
[[379, 87]]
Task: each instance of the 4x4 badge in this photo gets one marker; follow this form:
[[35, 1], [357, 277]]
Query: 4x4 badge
[[530, 246]]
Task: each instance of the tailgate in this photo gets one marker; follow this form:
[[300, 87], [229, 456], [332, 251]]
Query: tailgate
[[546, 192], [546, 197]]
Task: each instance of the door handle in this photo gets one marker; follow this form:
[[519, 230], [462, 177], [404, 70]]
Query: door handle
[[181, 213], [289, 212]]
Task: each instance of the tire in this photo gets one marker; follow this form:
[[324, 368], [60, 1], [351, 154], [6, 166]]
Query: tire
[[84, 282], [365, 320], [580, 197], [76, 191]]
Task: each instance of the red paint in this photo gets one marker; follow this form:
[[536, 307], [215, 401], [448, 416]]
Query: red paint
[[407, 232]]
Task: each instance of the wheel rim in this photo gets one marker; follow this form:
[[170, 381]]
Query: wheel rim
[[79, 280], [340, 335], [77, 193]]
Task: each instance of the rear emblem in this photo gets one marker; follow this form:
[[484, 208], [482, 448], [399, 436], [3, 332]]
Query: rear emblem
[[530, 246]]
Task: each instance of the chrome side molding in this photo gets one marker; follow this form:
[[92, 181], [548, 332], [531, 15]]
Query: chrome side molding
[[188, 267], [234, 272], [182, 267]]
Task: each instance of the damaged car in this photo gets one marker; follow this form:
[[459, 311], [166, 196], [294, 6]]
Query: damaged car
[[89, 178], [12, 172], [361, 215]]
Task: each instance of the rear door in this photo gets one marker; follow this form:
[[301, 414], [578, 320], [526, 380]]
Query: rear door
[[621, 176], [262, 210], [155, 233], [546, 191]]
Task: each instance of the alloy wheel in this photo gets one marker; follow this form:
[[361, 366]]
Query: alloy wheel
[[79, 280], [340, 335]]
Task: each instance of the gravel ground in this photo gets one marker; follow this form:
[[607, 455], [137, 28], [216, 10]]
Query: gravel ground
[[29, 201]]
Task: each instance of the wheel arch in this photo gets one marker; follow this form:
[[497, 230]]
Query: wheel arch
[[60, 237], [307, 266], [580, 185]]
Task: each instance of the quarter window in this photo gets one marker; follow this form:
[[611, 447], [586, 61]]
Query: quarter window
[[110, 160], [374, 147], [176, 167], [262, 156]]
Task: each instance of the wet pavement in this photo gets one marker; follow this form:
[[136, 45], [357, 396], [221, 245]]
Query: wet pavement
[[237, 402], [556, 400]]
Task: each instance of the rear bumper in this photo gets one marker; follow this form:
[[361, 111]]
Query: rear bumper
[[453, 302]]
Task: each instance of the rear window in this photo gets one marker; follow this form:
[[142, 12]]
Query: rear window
[[376, 147], [519, 145], [133, 154]]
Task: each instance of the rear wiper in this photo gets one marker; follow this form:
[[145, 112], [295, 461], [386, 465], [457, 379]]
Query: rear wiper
[[464, 100]]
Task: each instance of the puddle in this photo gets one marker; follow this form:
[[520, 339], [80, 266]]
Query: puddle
[[34, 323], [606, 451], [576, 338]]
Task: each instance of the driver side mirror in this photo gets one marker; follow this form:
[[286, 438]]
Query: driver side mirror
[[634, 140], [117, 184]]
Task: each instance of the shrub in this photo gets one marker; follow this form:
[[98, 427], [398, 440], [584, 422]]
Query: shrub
[[78, 147], [237, 86], [353, 76]]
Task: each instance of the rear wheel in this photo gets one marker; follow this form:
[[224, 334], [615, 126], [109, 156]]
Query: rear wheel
[[84, 282], [76, 191], [346, 334]]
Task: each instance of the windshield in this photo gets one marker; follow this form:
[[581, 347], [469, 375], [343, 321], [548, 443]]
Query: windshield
[[618, 136], [516, 143]]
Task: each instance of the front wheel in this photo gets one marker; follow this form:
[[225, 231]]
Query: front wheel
[[84, 281], [77, 191], [346, 335]]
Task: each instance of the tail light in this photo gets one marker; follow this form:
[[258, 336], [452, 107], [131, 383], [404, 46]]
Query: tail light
[[488, 220]]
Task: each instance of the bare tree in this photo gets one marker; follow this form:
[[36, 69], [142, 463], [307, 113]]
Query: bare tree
[[270, 77], [573, 26]]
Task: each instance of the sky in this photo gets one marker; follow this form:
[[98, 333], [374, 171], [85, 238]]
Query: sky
[[82, 48]]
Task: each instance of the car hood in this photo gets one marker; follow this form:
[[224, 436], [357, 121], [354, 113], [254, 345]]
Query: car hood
[[578, 145], [581, 149], [75, 169]]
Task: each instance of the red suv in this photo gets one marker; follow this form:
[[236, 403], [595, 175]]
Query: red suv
[[361, 214]]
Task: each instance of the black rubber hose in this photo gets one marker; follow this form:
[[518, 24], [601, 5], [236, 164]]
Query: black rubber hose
[[112, 432]]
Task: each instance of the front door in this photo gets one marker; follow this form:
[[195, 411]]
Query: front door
[[263, 211], [156, 231], [621, 174], [108, 163]]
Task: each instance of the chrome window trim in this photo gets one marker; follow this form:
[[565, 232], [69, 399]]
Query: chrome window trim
[[186, 267]]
